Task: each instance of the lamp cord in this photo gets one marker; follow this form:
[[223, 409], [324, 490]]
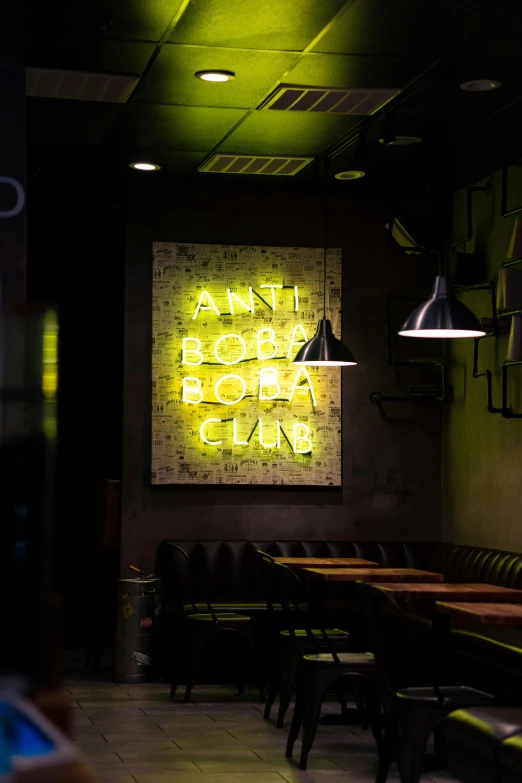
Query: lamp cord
[[325, 242]]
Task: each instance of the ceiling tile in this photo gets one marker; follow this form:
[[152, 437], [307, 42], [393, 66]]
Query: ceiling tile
[[139, 20], [176, 127], [252, 24], [172, 80], [285, 133], [336, 70], [378, 28]]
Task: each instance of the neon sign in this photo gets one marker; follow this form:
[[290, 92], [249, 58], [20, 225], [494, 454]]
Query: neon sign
[[228, 404]]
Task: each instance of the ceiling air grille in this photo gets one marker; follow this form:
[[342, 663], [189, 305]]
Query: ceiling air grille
[[330, 100], [78, 85], [254, 164]]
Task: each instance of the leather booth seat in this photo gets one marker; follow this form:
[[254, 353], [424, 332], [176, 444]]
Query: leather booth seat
[[474, 738], [510, 757], [231, 578]]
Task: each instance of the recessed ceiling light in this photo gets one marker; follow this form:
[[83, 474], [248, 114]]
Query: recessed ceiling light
[[480, 85], [145, 166], [215, 76], [350, 174], [401, 141]]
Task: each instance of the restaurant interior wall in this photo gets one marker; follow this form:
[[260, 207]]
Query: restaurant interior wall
[[481, 451], [391, 456]]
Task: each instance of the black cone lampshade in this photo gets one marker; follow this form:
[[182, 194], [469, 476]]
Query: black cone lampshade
[[442, 316], [324, 350]]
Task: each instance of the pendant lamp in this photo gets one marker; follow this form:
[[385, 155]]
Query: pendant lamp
[[442, 315], [324, 349]]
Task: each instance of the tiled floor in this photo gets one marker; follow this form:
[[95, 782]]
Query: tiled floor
[[137, 734]]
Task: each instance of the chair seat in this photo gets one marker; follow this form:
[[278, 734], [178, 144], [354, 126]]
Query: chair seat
[[331, 632], [228, 617], [458, 695], [346, 659]]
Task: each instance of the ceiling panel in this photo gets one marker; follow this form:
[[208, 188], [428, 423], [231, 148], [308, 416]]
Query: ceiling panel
[[255, 24], [176, 127], [335, 70], [373, 27], [62, 122], [285, 133], [171, 79], [139, 20]]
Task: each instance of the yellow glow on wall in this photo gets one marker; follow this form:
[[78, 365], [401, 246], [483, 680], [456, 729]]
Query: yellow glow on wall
[[234, 297], [269, 377], [301, 434], [201, 306], [236, 359], [190, 388], [273, 289], [202, 432], [294, 342], [228, 406], [238, 442], [186, 350], [261, 340], [277, 444], [306, 385], [225, 379]]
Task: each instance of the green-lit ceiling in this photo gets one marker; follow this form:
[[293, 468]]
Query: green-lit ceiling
[[178, 120]]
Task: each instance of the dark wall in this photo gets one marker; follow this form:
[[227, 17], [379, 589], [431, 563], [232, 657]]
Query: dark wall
[[481, 451], [391, 458]]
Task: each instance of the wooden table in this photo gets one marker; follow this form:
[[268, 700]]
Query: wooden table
[[372, 575], [453, 592], [328, 562], [485, 613]]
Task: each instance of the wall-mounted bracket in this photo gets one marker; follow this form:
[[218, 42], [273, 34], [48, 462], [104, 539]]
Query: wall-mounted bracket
[[469, 211], [419, 392], [504, 210], [487, 374], [507, 411]]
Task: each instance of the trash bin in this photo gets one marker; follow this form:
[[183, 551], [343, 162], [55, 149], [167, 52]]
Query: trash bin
[[138, 607]]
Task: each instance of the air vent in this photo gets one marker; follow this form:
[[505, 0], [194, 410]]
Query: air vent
[[78, 85], [295, 97], [254, 164]]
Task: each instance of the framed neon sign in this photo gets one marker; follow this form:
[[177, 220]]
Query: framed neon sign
[[228, 406]]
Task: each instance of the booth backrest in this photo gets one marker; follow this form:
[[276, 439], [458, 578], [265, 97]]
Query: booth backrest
[[229, 569]]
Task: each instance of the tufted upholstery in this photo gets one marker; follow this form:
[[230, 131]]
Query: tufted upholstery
[[230, 573], [474, 738]]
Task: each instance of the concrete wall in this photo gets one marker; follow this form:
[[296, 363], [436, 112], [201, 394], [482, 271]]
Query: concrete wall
[[482, 452], [391, 459]]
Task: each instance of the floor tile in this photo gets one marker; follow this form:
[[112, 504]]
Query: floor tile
[[138, 734]]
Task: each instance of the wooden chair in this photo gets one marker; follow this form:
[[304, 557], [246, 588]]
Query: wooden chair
[[202, 627]]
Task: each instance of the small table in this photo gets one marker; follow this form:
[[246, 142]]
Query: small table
[[485, 613], [328, 562], [372, 575], [453, 592]]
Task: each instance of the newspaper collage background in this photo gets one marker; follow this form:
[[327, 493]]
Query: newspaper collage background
[[179, 455]]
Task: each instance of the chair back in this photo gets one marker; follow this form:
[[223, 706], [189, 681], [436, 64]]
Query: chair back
[[291, 592], [394, 644], [189, 578], [266, 565]]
